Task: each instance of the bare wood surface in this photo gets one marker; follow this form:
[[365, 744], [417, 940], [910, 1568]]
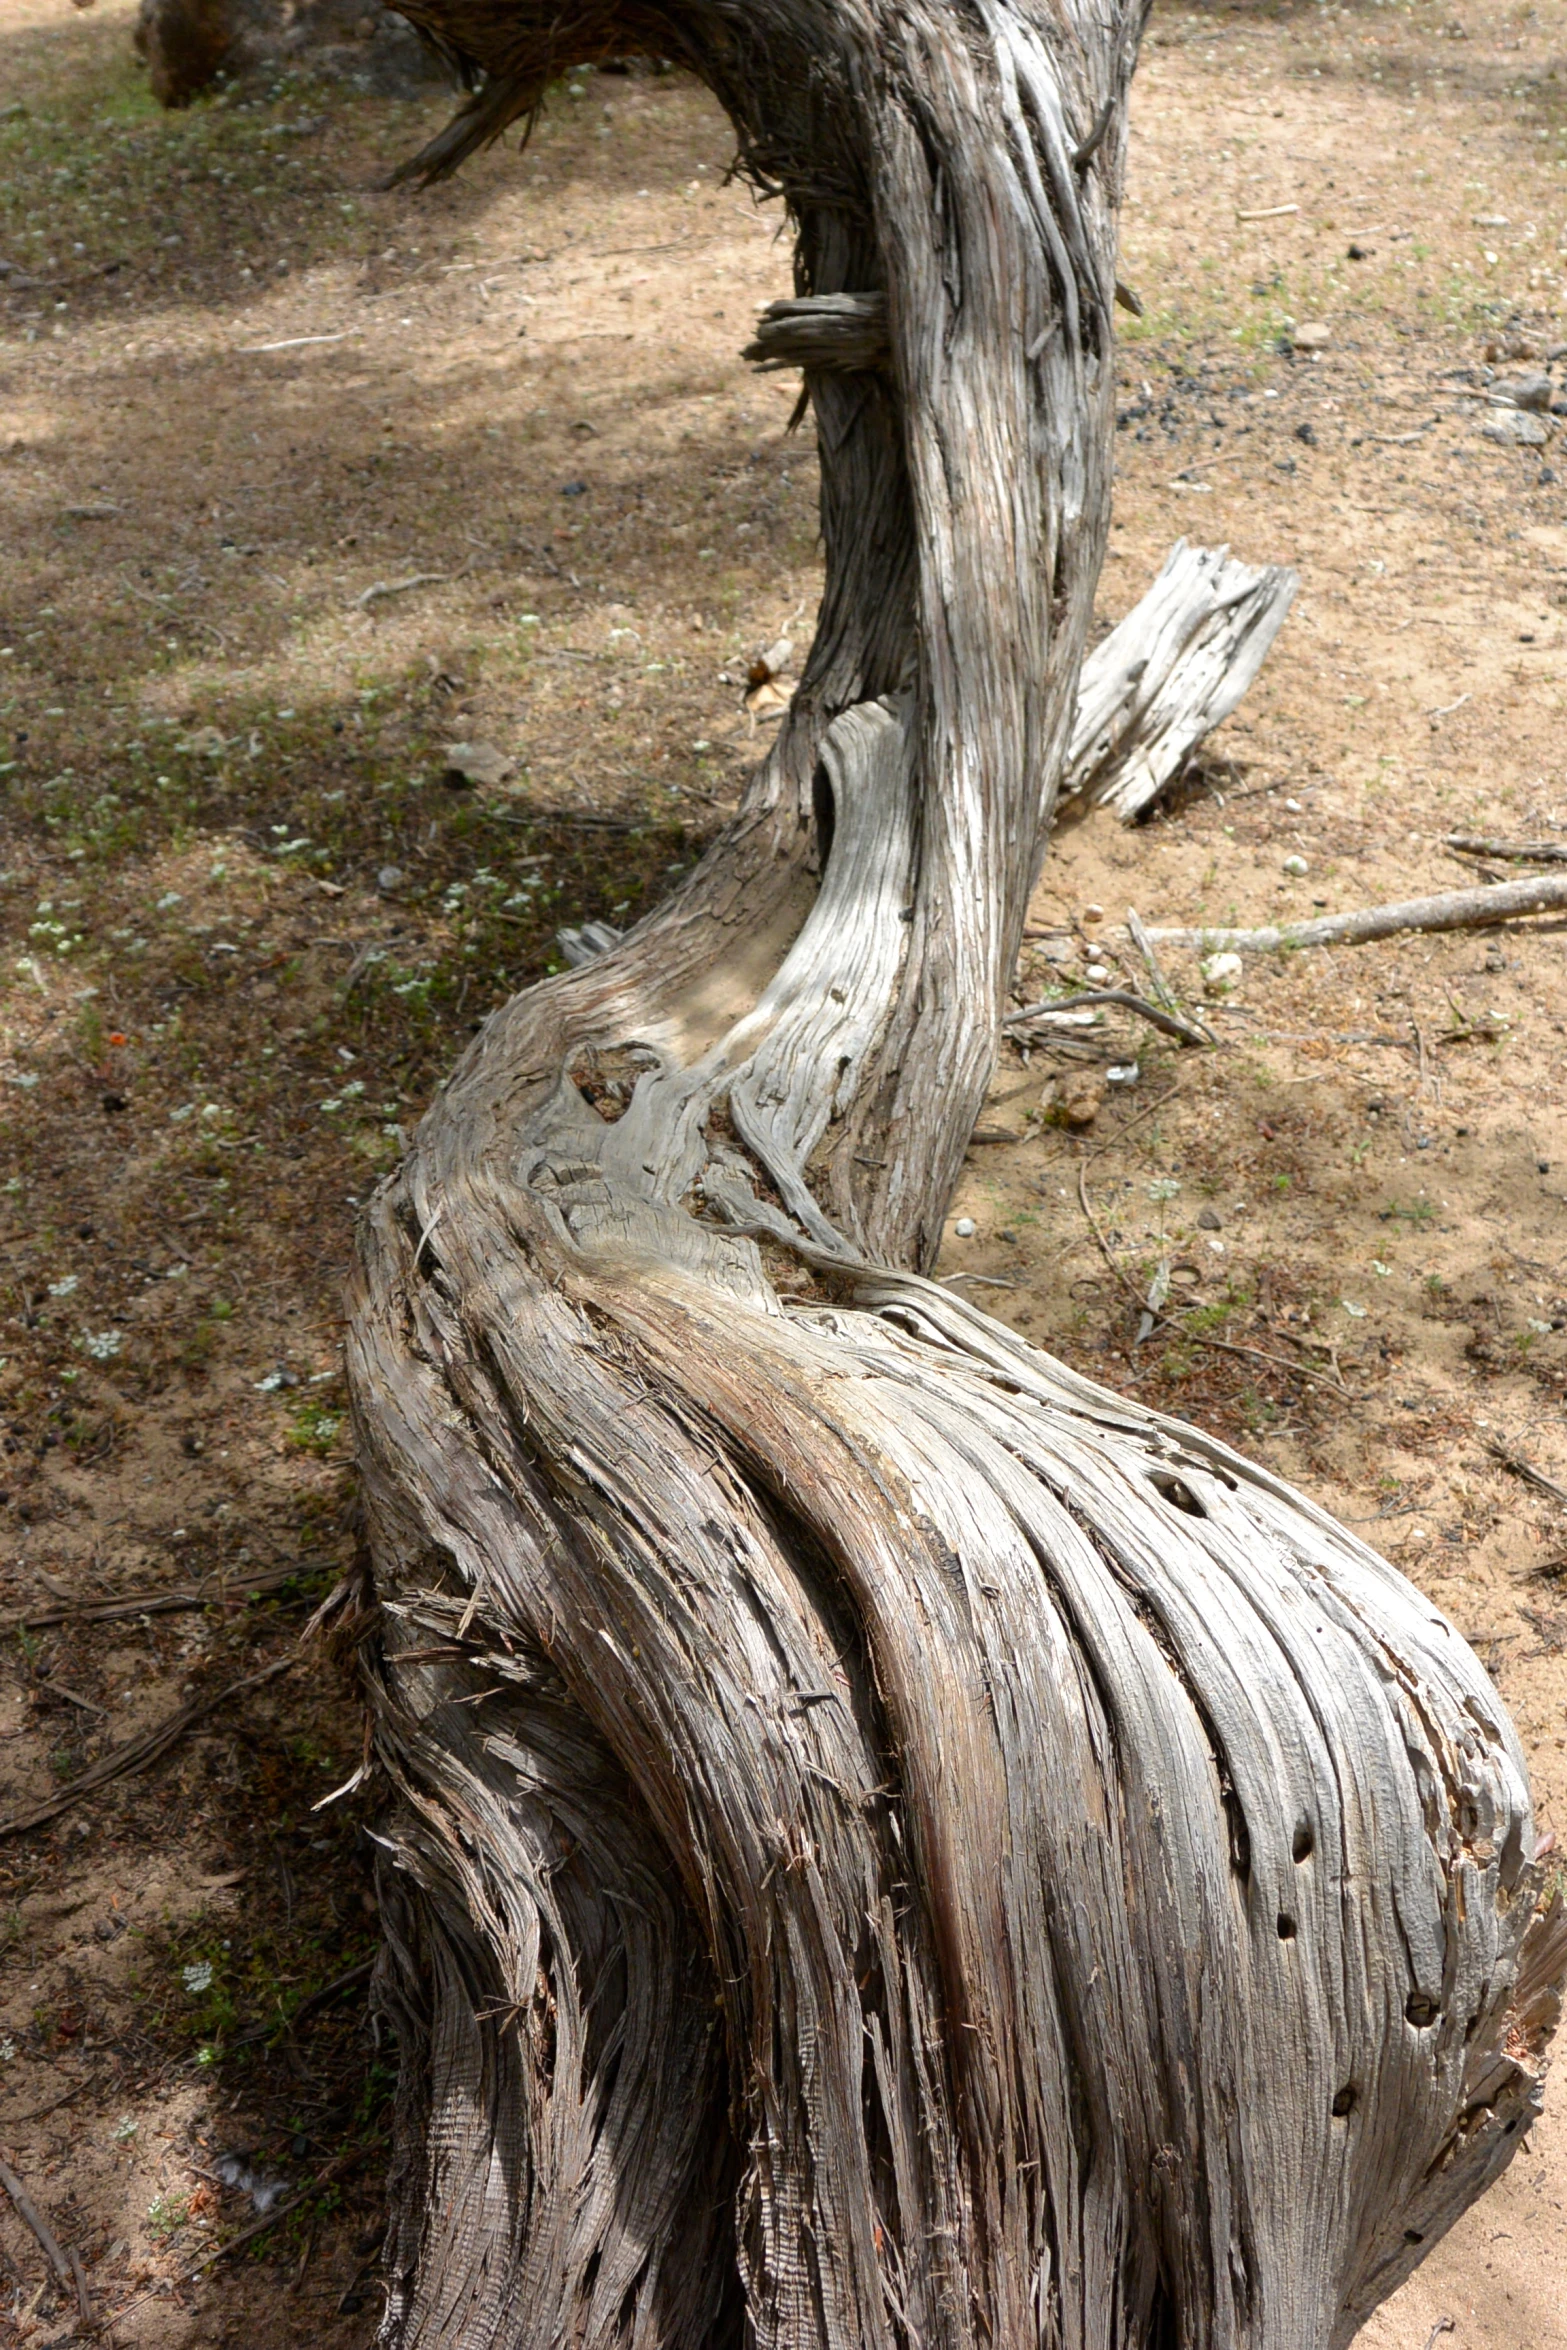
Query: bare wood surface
[[1462, 909]]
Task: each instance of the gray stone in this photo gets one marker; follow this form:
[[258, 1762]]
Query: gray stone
[[1524, 391], [1516, 430]]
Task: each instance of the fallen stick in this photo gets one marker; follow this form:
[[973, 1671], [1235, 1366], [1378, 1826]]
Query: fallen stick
[[138, 1752], [1463, 909], [1525, 1469], [1171, 1022], [146, 1603], [67, 2270], [1524, 852], [400, 587]]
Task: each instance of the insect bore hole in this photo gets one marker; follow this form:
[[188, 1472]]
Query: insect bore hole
[[1177, 1491]]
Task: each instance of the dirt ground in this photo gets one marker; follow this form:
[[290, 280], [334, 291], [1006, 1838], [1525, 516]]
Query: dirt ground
[[303, 483]]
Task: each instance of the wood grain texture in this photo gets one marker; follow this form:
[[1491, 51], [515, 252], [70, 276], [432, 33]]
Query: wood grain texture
[[1176, 666], [888, 1844]]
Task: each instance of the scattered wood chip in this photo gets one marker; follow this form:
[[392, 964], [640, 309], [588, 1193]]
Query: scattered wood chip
[[475, 763]]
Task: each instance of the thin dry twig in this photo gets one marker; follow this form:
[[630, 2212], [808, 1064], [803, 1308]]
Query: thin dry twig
[[145, 1603], [66, 2269], [1172, 1023], [1522, 852], [1524, 1469], [36, 2113], [136, 1753], [1159, 987], [1229, 1346]]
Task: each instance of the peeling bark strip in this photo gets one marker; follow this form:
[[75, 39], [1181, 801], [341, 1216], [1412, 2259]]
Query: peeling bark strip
[[891, 1844]]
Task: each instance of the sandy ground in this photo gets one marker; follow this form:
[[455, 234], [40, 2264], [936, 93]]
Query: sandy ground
[[302, 483]]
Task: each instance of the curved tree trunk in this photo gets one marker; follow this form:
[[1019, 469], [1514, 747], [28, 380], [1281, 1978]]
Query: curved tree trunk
[[892, 1844]]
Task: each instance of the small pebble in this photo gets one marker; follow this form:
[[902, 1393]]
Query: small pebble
[[1096, 975], [1209, 1220], [1221, 970], [390, 877], [1296, 866], [964, 1228], [1123, 1073]]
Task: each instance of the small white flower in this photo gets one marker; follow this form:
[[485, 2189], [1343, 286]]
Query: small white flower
[[330, 1106], [198, 1978], [1350, 1307], [7, 2052], [354, 1088], [65, 1287], [26, 1078], [1163, 1187], [1385, 1271], [102, 1344], [170, 897], [124, 2128], [271, 1383], [211, 1110], [179, 1116]]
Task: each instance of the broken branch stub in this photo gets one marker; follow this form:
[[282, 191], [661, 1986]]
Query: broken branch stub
[[888, 1843], [1172, 670]]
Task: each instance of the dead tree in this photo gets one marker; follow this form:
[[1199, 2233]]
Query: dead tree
[[890, 1843]]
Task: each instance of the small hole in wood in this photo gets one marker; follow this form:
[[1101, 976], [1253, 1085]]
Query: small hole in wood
[[1345, 2101], [1413, 2236], [1304, 1844], [1420, 2008], [1286, 1928], [1176, 1490]]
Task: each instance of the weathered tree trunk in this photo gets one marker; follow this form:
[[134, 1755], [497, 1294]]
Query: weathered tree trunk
[[892, 1844], [187, 45]]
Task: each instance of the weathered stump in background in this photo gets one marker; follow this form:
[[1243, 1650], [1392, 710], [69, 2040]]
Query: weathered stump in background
[[190, 44]]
